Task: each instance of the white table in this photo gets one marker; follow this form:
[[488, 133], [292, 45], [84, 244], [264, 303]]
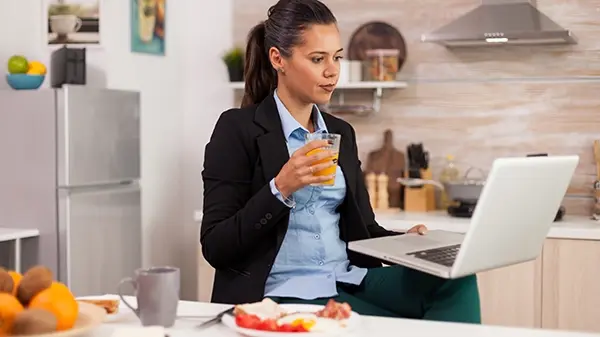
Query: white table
[[369, 326], [15, 236]]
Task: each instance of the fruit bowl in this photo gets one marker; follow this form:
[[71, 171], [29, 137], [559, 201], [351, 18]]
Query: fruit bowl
[[35, 304], [90, 317], [24, 81]]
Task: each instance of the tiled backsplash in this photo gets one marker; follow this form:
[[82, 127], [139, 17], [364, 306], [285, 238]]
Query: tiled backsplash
[[479, 103]]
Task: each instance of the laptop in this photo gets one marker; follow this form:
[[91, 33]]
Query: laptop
[[513, 216]]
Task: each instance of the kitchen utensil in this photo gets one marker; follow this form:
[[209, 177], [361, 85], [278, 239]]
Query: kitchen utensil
[[411, 182], [376, 35], [215, 320], [418, 160], [466, 189]]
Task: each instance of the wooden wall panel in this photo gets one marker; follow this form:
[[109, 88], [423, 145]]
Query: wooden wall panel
[[479, 103]]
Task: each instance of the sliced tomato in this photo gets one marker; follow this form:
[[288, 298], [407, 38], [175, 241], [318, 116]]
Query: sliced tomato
[[268, 325], [248, 321]]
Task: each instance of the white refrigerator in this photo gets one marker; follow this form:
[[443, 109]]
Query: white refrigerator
[[70, 167]]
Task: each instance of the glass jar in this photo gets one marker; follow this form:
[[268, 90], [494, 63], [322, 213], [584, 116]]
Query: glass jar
[[381, 64]]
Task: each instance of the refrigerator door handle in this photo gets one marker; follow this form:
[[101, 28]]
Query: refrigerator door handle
[[99, 187]]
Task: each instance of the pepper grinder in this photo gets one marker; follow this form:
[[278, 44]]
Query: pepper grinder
[[383, 201], [372, 189]]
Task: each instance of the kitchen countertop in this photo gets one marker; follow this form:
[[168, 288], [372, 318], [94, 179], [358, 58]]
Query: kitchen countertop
[[571, 227], [10, 234]]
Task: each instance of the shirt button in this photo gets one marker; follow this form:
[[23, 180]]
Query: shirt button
[[321, 263], [311, 211], [317, 236], [328, 276]]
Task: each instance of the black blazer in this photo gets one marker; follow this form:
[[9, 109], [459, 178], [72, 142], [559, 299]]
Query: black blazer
[[243, 223]]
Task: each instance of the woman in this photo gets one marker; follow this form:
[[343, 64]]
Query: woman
[[268, 228]]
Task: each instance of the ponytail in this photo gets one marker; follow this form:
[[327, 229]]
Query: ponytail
[[259, 76]]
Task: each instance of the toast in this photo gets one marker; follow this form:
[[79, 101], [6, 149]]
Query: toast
[[265, 309], [110, 305]]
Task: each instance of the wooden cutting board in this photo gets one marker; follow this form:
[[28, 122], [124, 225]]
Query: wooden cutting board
[[392, 162]]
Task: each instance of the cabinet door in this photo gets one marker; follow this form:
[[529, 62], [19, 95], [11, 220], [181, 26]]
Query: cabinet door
[[571, 287], [511, 296]]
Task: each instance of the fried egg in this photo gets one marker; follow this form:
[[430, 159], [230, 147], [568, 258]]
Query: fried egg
[[312, 323]]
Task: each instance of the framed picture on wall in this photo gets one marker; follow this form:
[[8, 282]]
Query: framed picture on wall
[[72, 22], [148, 18]]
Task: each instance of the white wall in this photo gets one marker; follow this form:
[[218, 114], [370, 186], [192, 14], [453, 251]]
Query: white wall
[[182, 95]]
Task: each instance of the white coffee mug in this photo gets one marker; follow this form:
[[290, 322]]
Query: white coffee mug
[[344, 72], [65, 24]]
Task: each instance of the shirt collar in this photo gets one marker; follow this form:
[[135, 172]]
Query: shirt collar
[[290, 124]]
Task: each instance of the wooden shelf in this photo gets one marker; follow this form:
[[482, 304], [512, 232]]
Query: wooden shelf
[[350, 85], [376, 86]]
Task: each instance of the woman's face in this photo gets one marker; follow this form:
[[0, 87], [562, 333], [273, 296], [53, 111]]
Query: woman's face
[[311, 72]]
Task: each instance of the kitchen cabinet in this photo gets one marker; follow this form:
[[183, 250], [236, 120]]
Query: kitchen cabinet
[[570, 286], [559, 290], [511, 296]]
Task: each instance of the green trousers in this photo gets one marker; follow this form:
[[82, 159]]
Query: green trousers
[[402, 292]]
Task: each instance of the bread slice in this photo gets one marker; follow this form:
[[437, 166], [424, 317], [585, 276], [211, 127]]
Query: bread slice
[[110, 305], [265, 309]]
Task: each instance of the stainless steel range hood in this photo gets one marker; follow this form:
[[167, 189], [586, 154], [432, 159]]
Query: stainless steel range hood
[[498, 22]]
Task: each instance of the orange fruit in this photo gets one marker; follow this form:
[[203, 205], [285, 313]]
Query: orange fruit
[[36, 68], [10, 307], [60, 287], [16, 280], [59, 300]]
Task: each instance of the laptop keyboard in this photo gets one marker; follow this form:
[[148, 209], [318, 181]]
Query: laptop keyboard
[[444, 255]]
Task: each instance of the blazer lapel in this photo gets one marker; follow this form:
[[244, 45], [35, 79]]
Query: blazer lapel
[[271, 146]]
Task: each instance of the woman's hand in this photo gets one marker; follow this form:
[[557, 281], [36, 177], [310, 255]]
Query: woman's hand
[[420, 229], [298, 171]]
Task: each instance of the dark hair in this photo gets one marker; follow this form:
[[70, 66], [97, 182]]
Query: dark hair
[[286, 20]]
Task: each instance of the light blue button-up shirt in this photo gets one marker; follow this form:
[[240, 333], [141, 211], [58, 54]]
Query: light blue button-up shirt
[[312, 257]]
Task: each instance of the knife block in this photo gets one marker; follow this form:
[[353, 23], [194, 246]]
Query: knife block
[[420, 199]]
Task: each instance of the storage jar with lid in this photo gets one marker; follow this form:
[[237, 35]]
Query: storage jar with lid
[[381, 64]]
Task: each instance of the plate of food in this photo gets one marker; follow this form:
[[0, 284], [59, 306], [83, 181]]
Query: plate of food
[[268, 318]]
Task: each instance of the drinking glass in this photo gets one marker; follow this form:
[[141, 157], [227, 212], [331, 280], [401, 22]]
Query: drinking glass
[[334, 146]]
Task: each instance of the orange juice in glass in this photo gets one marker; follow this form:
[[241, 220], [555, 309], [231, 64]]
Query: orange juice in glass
[[334, 146]]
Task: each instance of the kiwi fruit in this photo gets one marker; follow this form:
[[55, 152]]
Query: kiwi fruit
[[6, 282], [34, 322], [34, 280]]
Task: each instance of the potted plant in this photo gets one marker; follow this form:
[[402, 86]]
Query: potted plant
[[234, 59]]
